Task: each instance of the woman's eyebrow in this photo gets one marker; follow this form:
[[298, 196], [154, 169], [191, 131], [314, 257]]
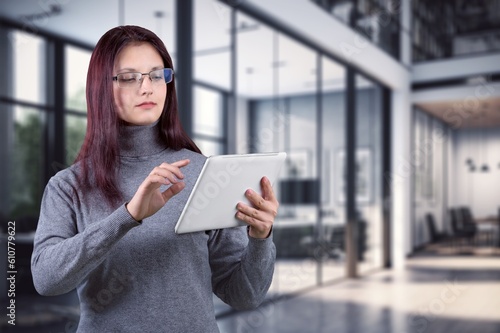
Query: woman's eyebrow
[[128, 69]]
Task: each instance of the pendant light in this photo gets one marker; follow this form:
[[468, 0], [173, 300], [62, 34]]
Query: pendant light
[[470, 162], [484, 167]]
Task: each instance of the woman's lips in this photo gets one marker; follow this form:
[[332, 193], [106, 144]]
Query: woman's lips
[[146, 105]]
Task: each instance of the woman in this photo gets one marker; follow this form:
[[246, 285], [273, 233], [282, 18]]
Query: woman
[[107, 223]]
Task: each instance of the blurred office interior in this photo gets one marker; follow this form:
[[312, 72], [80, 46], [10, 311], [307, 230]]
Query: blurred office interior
[[389, 112]]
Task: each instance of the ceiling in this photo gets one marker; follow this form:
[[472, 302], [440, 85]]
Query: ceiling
[[87, 20], [484, 114]]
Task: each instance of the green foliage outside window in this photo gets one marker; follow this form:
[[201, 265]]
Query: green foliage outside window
[[25, 168]]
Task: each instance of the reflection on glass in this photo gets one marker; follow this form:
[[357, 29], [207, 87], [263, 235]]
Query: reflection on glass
[[283, 110], [295, 71], [208, 112], [28, 67], [25, 163], [209, 147], [212, 43], [75, 133], [333, 251], [77, 63], [369, 174], [254, 58]]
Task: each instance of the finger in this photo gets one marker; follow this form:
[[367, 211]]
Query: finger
[[258, 229], [173, 174], [260, 203], [267, 190], [249, 211], [251, 221], [154, 182], [175, 167], [172, 190], [255, 199], [180, 164]]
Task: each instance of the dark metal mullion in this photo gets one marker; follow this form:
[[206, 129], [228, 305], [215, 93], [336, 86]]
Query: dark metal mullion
[[319, 158], [386, 179], [231, 99], [16, 102], [54, 134], [228, 124], [184, 79], [414, 145], [351, 223], [76, 113], [351, 216], [6, 119], [445, 169]]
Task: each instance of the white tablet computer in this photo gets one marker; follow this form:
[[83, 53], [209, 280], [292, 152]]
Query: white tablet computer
[[221, 184]]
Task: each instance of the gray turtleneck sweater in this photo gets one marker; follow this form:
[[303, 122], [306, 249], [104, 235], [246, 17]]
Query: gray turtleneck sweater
[[133, 277]]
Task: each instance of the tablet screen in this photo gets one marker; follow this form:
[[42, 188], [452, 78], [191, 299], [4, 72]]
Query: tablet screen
[[221, 185]]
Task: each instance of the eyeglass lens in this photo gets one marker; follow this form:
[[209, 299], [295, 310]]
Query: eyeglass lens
[[126, 80]]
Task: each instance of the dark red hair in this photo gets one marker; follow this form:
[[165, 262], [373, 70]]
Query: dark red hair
[[100, 150]]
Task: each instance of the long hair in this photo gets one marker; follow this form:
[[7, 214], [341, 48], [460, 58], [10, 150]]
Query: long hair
[[99, 153]]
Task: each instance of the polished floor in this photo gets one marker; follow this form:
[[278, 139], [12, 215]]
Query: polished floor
[[449, 293], [446, 294]]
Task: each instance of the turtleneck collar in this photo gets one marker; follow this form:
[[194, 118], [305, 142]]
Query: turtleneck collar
[[136, 141]]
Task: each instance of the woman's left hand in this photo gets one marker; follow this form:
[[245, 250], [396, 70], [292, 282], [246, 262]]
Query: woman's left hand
[[260, 216]]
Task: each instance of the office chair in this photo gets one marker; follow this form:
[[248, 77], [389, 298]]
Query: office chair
[[435, 236], [469, 227], [462, 231], [498, 229]]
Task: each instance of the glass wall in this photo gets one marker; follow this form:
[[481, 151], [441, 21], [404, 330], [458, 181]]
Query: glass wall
[[282, 120], [212, 83], [296, 235], [430, 139], [333, 217], [22, 114], [26, 157], [369, 172], [212, 75], [77, 62], [292, 109], [209, 121]]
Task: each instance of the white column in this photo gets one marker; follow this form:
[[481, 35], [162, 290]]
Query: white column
[[402, 158]]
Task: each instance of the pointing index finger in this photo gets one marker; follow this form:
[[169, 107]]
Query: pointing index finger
[[181, 163]]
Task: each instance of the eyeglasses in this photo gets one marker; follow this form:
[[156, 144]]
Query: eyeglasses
[[134, 80]]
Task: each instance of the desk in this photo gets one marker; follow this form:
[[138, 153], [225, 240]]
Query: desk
[[490, 221], [487, 220]]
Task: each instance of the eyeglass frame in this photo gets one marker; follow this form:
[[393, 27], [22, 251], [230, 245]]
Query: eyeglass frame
[[115, 78]]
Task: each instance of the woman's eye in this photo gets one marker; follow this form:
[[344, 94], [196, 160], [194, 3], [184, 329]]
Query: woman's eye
[[125, 80]]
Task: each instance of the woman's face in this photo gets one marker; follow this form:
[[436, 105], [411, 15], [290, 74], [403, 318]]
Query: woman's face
[[141, 104]]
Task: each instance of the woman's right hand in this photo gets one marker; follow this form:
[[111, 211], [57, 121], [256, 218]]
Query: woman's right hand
[[149, 199]]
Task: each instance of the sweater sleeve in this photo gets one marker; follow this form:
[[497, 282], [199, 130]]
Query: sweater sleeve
[[242, 267], [63, 257]]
